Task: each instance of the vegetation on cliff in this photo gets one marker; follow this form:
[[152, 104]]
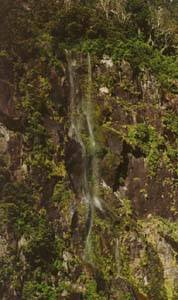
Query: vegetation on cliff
[[133, 243]]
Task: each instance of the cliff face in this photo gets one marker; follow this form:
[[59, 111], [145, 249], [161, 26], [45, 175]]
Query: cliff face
[[88, 150]]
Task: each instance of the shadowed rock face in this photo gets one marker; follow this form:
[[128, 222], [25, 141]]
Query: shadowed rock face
[[150, 195], [6, 93], [75, 164]]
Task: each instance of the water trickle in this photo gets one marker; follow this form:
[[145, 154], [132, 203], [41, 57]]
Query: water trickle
[[81, 129], [94, 162]]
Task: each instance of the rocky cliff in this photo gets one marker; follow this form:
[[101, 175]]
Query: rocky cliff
[[88, 150]]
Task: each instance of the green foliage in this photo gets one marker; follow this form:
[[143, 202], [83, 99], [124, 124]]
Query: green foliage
[[146, 139], [22, 219], [166, 70], [5, 272], [168, 228], [94, 46], [17, 204], [140, 15], [91, 291], [41, 247], [155, 287], [73, 23], [40, 291], [62, 193], [140, 55], [175, 292], [171, 122]]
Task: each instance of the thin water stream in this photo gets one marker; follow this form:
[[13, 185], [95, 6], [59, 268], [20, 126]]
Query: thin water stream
[[81, 111]]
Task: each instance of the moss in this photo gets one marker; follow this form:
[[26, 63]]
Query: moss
[[175, 295], [91, 291], [41, 291], [162, 229], [156, 287]]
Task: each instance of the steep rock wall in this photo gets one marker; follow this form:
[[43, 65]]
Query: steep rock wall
[[132, 249]]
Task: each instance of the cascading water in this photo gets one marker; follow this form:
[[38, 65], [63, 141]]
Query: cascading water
[[81, 113], [94, 166], [76, 119]]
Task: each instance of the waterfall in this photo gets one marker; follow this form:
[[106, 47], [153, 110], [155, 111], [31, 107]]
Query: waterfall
[[94, 164], [81, 119], [75, 130]]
